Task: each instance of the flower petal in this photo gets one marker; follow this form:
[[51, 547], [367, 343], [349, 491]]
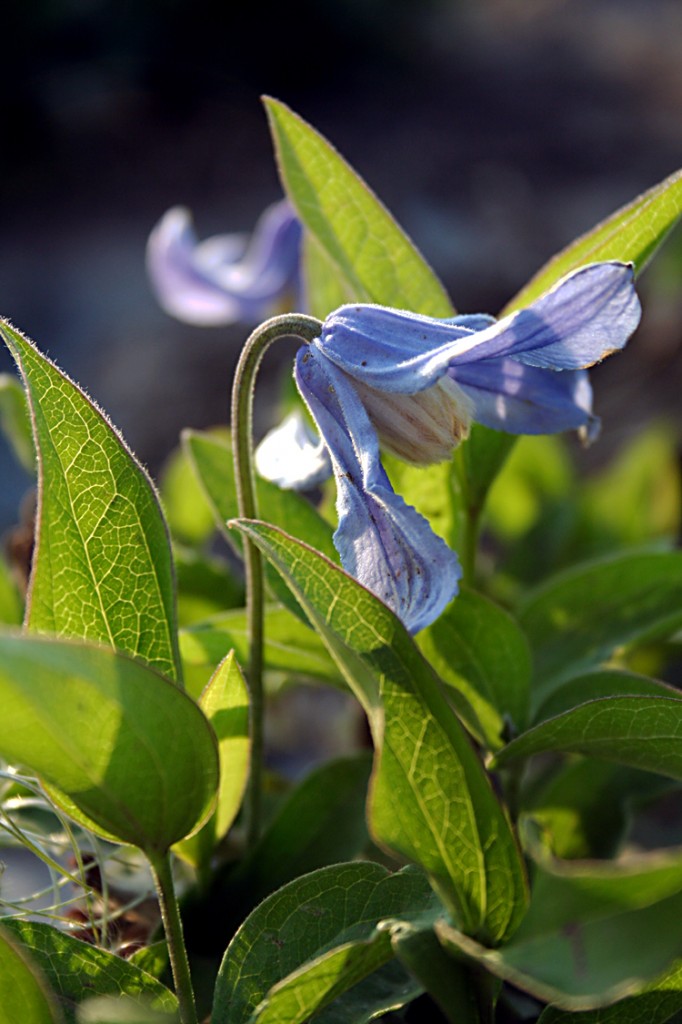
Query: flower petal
[[383, 542], [225, 279], [292, 457], [520, 399], [587, 315]]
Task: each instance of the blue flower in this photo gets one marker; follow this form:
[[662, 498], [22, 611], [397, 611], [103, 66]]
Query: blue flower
[[228, 278], [416, 383]]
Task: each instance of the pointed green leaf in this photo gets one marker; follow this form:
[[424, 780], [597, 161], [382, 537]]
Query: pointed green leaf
[[372, 253], [125, 745], [77, 970], [578, 618], [102, 569], [431, 800], [655, 1003], [321, 822], [594, 933], [24, 995], [494, 677], [314, 939], [225, 702], [643, 732], [633, 234]]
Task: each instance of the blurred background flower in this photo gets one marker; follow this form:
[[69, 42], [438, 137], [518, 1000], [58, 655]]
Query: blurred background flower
[[495, 130]]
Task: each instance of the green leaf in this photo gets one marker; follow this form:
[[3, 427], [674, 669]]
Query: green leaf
[[24, 994], [291, 647], [375, 257], [15, 421], [188, 513], [102, 568], [449, 983], [127, 747], [314, 939], [431, 801], [584, 809], [594, 932], [11, 605], [225, 702], [604, 683], [321, 822], [633, 234], [577, 619], [76, 970], [494, 677], [433, 490], [325, 288], [206, 586], [643, 732], [655, 1003], [478, 461]]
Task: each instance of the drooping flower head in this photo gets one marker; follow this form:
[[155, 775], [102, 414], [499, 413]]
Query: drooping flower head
[[227, 278], [418, 382], [411, 382]]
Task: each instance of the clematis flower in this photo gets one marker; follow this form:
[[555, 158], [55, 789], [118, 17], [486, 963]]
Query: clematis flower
[[227, 278], [416, 383]]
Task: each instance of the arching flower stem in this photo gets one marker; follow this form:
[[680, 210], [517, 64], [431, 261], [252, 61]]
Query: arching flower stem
[[286, 326]]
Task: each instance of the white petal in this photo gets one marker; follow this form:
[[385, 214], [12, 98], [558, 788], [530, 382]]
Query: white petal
[[292, 456]]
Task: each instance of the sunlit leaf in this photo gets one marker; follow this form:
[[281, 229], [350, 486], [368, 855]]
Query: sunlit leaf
[[643, 732], [594, 933], [125, 745], [655, 1003], [102, 568], [577, 619], [225, 702], [24, 994], [314, 939], [494, 677], [77, 970], [375, 257], [431, 801]]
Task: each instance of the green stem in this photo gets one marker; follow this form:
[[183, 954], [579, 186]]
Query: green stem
[[286, 326], [170, 914]]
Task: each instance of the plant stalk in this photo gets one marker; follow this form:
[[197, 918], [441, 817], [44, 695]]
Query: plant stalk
[[172, 924], [288, 325]]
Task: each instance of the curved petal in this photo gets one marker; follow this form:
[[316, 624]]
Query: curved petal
[[383, 542], [225, 279], [520, 399], [587, 315], [292, 457]]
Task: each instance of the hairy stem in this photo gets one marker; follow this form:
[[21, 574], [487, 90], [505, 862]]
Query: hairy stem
[[286, 326], [170, 914]]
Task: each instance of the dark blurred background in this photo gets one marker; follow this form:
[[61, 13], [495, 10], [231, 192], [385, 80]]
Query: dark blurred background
[[495, 130]]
